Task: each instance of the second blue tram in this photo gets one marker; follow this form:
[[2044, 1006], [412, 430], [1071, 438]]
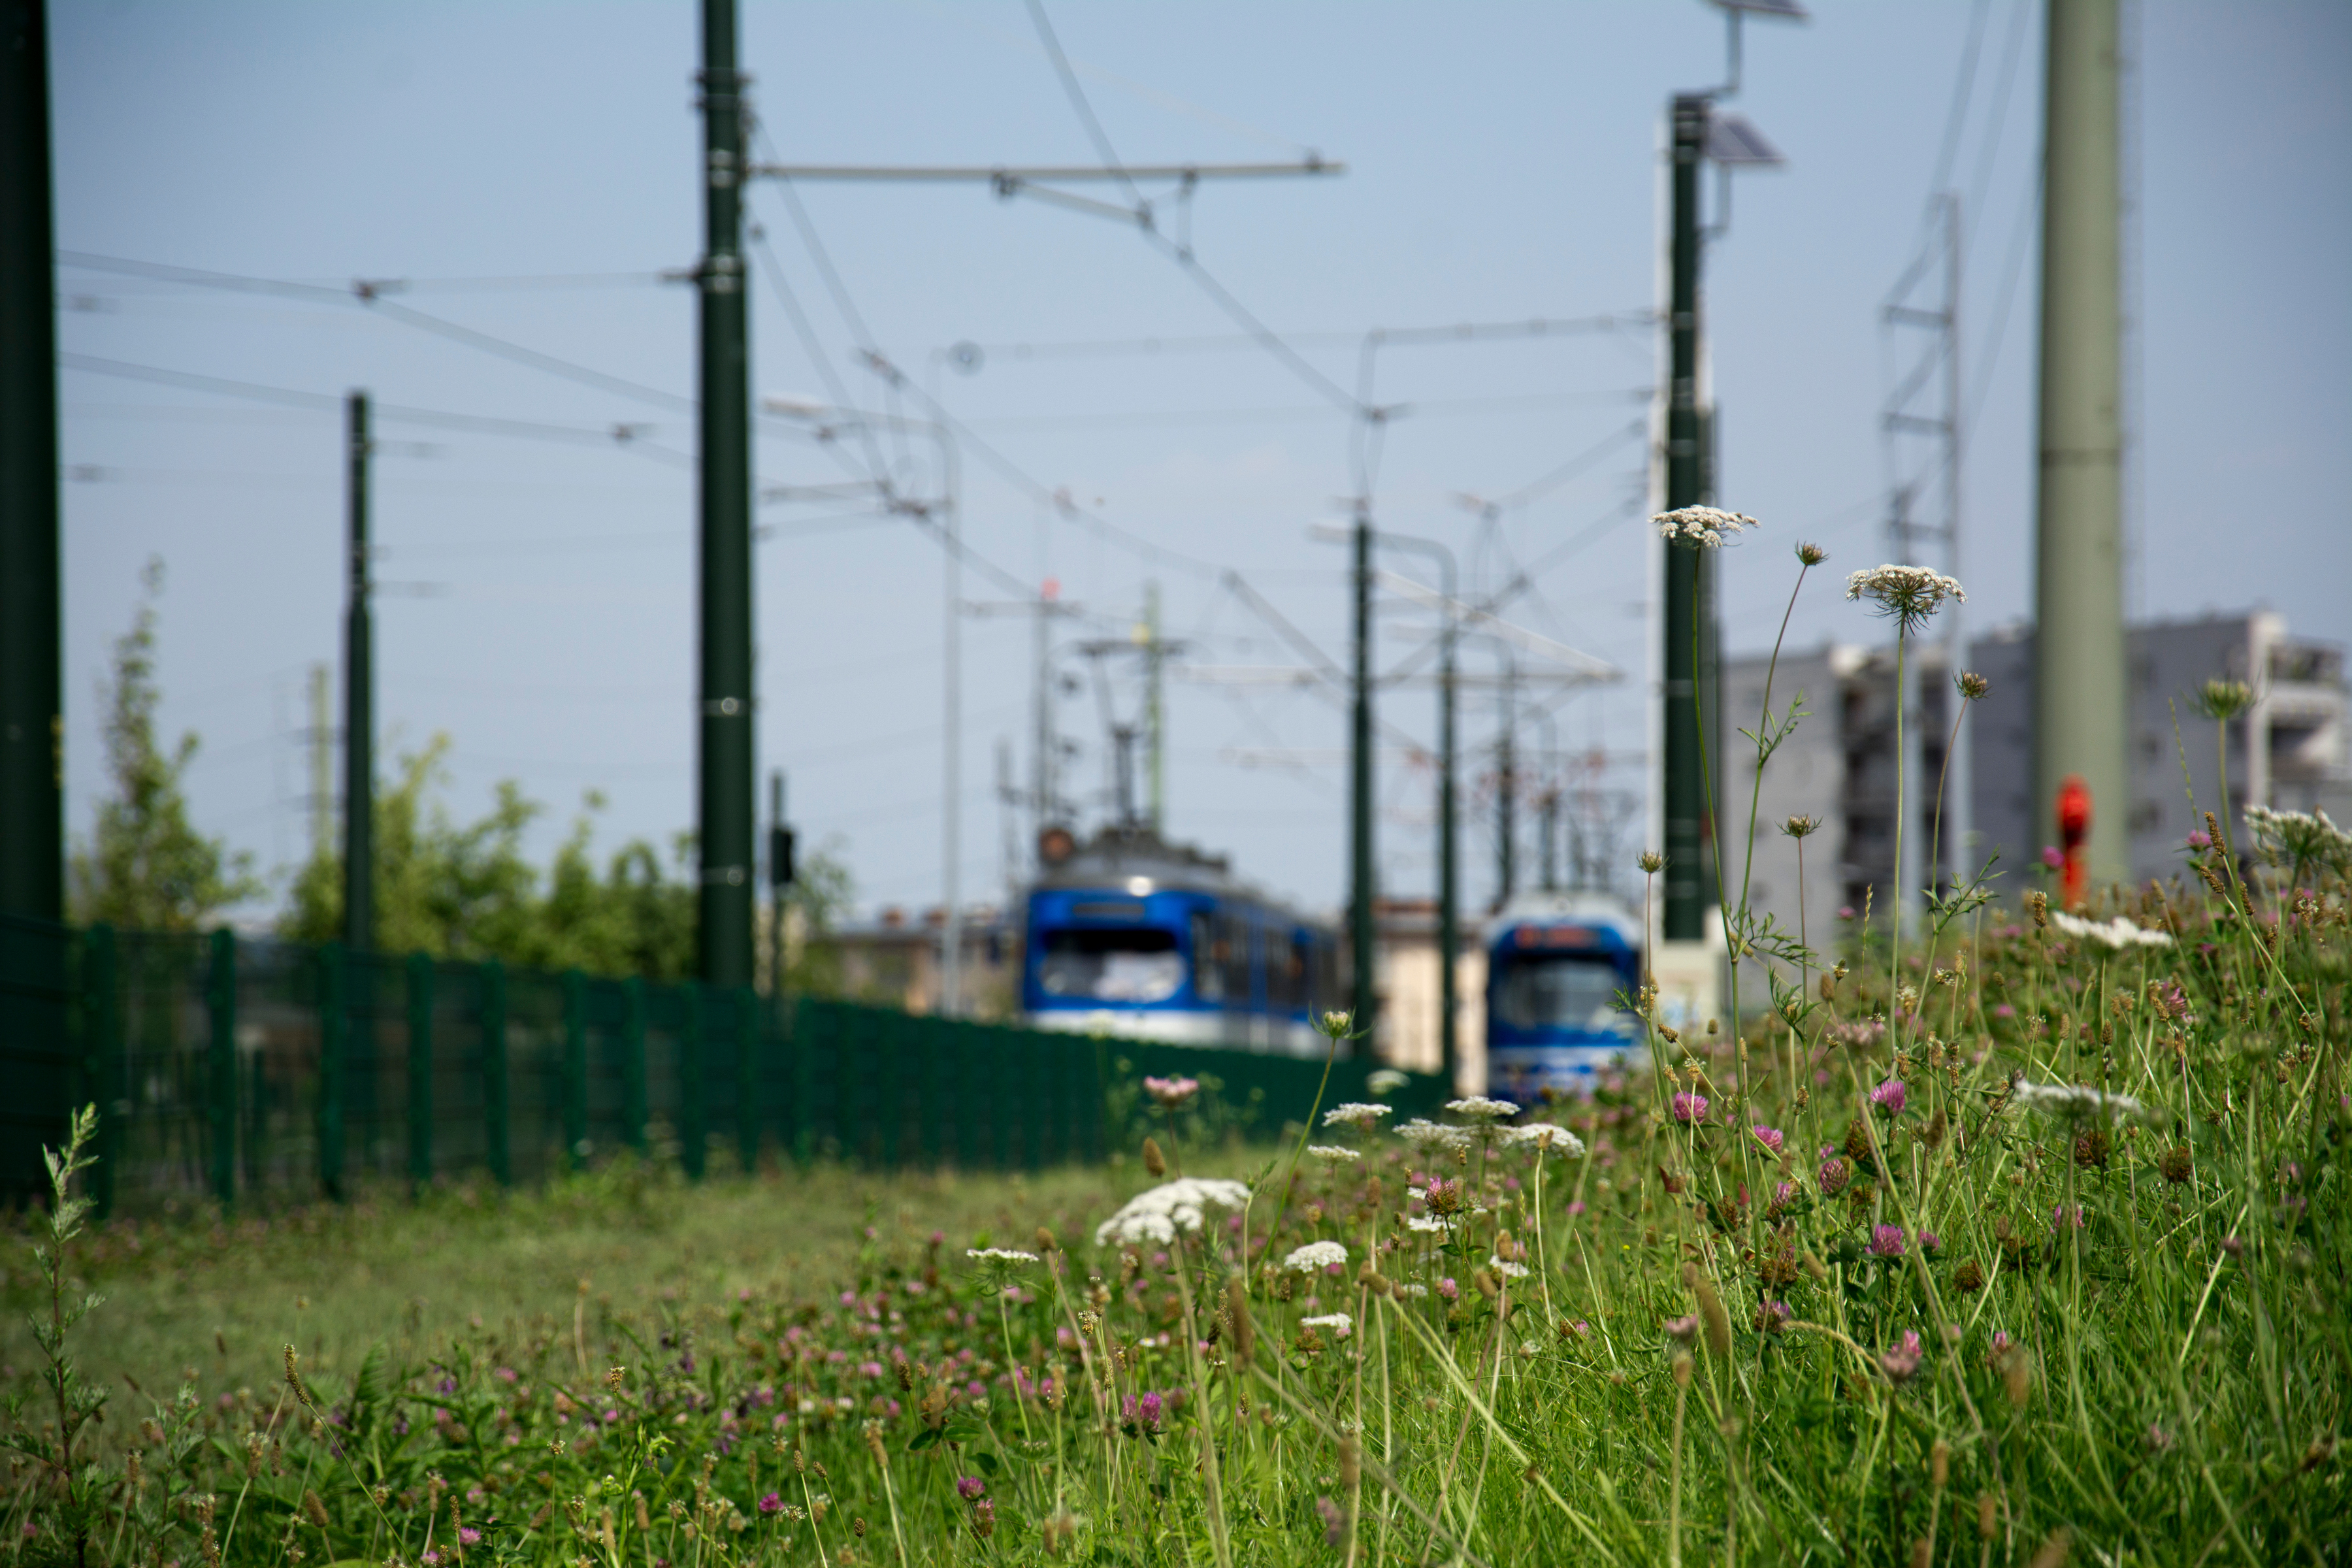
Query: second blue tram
[[1559, 970], [1129, 935]]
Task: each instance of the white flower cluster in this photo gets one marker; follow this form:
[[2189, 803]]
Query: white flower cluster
[[1507, 1271], [1427, 1223], [1171, 1206], [1386, 1080], [1429, 1135], [1478, 1108], [1316, 1256], [1356, 1113], [1339, 1323], [1333, 1152], [1412, 1287], [1000, 1255], [2300, 836], [2073, 1101], [1702, 527], [1909, 594], [1544, 1135], [2119, 934]]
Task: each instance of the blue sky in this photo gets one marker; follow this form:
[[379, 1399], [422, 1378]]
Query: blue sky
[[1501, 167]]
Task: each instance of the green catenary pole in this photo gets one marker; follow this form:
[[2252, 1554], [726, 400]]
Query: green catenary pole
[[500, 1125], [2080, 692], [1684, 792], [32, 724], [1359, 809], [726, 760], [358, 694], [420, 1070]]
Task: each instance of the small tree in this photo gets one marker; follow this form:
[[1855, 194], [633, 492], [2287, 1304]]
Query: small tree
[[145, 866]]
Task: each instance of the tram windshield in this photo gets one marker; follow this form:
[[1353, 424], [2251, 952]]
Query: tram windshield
[[1111, 964], [1558, 991]]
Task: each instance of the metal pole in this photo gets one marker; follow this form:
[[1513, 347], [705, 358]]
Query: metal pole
[[2079, 692], [1154, 714], [1359, 892], [1959, 808], [951, 748], [32, 707], [726, 761], [780, 877], [358, 697], [1684, 792], [1506, 792], [1449, 886]]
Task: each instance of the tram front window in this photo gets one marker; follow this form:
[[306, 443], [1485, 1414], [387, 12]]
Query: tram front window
[[1112, 963], [1558, 991]]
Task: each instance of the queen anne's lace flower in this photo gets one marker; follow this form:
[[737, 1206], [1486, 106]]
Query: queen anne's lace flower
[[1702, 527], [2072, 1102], [1000, 1255], [2302, 837], [1339, 1323], [2119, 934], [1427, 1225], [1333, 1152], [1386, 1080], [1316, 1256], [1509, 1270], [1158, 1215], [1545, 1135], [1428, 1135], [1909, 594], [1478, 1108], [1356, 1113]]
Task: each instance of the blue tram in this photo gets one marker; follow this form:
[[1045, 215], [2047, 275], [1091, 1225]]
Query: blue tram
[[1559, 968], [1127, 934]]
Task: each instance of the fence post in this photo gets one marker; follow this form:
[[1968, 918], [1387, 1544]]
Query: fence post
[[633, 1062], [101, 1026], [747, 1078], [690, 1086], [493, 976], [576, 1068], [420, 1069], [334, 1027]]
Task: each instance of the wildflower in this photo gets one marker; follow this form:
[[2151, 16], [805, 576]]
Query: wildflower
[[1689, 1108], [2159, 1440], [1447, 1290], [2177, 1166], [1907, 594], [1336, 1024], [773, 1503], [1811, 554], [1333, 1152], [2053, 856], [1968, 1276], [1889, 1097], [1171, 1093], [1835, 1174], [2234, 1246], [1773, 1316], [983, 1518], [469, 1536], [1702, 527], [1507, 1269], [1385, 1080], [1443, 1197], [1428, 1136], [1886, 1241], [1770, 1137], [1427, 1225], [972, 1489], [1650, 861], [1335, 1520], [1972, 685], [2300, 836], [2199, 840], [1545, 1135], [1684, 1330], [2119, 934], [1339, 1323], [1902, 1360], [1357, 1114], [2060, 1215], [2072, 1102], [1930, 1242], [1000, 1255], [1316, 1256], [1158, 1213], [1478, 1108], [1802, 827], [2223, 699]]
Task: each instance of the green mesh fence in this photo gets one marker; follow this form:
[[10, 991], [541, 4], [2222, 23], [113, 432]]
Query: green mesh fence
[[239, 1069]]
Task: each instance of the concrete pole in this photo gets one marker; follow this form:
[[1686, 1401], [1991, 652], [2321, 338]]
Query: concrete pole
[[2080, 684], [359, 697]]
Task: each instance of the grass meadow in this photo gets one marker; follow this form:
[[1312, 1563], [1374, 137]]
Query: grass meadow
[[2016, 1238]]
